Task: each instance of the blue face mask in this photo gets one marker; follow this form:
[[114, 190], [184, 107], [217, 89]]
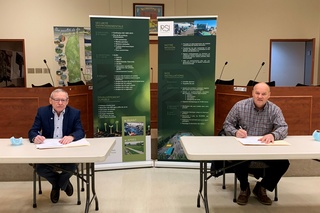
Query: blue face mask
[[16, 141], [316, 135]]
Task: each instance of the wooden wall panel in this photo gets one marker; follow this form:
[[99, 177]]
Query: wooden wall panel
[[154, 105], [17, 112], [297, 111], [223, 106], [81, 101]]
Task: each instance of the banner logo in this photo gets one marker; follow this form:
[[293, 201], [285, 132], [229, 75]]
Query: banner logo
[[165, 28]]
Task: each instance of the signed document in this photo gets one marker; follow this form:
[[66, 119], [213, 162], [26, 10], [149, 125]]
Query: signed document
[[253, 141], [54, 143]]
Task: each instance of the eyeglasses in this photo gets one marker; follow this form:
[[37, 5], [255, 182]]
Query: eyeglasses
[[58, 100]]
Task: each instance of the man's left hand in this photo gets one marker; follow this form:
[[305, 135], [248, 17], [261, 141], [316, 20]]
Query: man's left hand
[[267, 139], [66, 139]]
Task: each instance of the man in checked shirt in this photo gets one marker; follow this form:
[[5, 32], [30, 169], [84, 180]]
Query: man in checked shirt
[[257, 116]]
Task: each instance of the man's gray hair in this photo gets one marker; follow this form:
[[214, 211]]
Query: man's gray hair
[[59, 90]]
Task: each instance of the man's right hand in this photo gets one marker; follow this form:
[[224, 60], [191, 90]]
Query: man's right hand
[[39, 139], [241, 133]]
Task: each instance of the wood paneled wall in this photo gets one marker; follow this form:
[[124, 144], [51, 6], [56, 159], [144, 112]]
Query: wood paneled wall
[[300, 105]]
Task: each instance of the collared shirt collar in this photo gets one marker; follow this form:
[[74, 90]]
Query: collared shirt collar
[[54, 112], [264, 107]]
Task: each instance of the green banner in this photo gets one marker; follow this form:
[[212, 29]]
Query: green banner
[[186, 81], [120, 70]]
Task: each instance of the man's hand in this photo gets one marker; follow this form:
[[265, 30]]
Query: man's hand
[[38, 139], [66, 139], [241, 133], [267, 139]]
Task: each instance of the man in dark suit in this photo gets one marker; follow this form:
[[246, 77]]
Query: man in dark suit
[[57, 120]]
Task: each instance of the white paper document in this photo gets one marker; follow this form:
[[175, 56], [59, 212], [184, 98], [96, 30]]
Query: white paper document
[[54, 143], [253, 140]]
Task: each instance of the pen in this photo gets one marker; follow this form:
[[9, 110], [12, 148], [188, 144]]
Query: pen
[[240, 127]]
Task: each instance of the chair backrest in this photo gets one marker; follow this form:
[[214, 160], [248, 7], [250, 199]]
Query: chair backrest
[[222, 133], [225, 82], [271, 83], [43, 85], [299, 84]]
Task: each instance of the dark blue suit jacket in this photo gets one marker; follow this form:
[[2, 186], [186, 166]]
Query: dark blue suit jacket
[[44, 123]]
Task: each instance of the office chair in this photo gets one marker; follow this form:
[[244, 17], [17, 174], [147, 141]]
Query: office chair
[[299, 84], [271, 83], [56, 168], [256, 169], [225, 82], [43, 85], [252, 83], [76, 83]]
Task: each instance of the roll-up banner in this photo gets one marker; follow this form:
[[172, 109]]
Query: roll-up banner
[[187, 52], [121, 85]]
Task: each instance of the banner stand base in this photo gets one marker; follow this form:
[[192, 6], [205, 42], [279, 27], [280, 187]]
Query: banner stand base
[[176, 164], [146, 164], [123, 165]]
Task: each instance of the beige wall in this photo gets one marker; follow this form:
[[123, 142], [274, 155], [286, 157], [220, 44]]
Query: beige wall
[[244, 28]]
